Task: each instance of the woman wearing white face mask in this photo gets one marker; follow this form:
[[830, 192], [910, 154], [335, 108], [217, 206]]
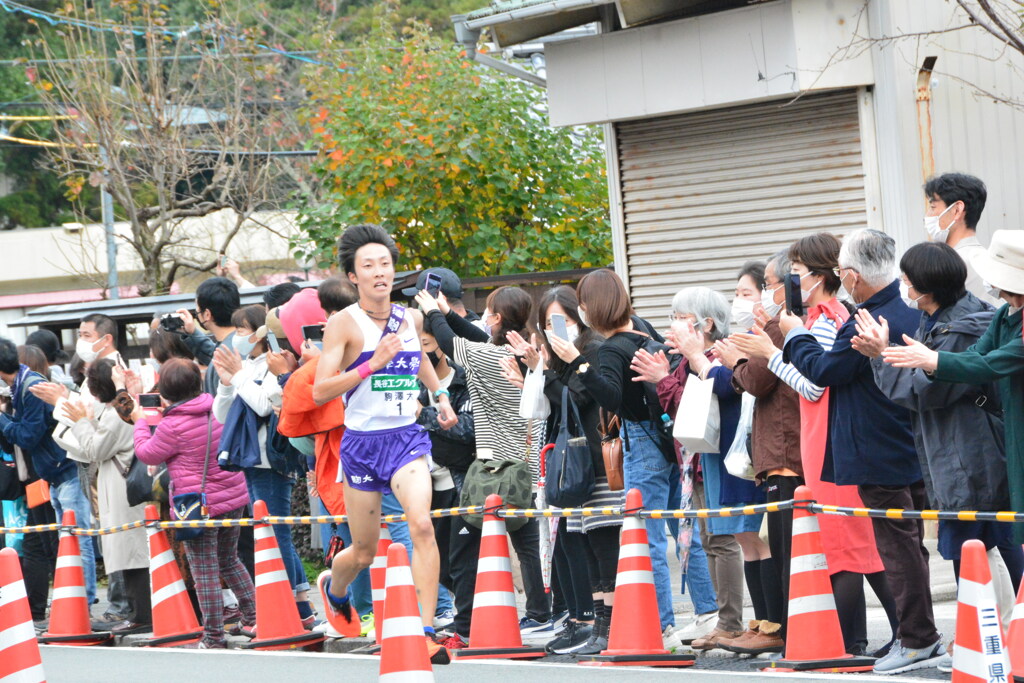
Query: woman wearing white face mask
[[749, 284], [271, 479], [958, 428], [849, 542], [585, 549]]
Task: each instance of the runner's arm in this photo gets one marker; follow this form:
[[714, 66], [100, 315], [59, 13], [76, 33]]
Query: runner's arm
[[329, 384]]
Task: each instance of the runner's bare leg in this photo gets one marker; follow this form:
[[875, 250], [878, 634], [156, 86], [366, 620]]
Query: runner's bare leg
[[414, 489], [363, 510]]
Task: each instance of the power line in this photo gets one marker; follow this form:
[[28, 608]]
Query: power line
[[209, 152], [56, 20]]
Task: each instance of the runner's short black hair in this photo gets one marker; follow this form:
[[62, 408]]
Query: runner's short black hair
[[357, 236]]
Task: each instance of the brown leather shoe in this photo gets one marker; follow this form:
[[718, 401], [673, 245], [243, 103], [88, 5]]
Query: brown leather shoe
[[749, 634], [711, 640], [766, 639]]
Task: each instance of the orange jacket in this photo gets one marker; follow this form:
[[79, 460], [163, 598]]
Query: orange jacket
[[301, 416]]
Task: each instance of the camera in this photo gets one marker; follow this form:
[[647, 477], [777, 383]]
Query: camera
[[172, 322]]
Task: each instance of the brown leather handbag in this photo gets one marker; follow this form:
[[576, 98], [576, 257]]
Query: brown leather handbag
[[608, 426]]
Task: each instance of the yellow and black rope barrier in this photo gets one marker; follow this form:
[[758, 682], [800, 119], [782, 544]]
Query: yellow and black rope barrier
[[928, 515], [612, 511]]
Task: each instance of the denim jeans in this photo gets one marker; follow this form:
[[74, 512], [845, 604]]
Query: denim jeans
[[69, 496], [646, 469], [698, 577], [399, 531], [276, 491]]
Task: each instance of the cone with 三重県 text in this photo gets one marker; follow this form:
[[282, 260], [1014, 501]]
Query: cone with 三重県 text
[[403, 647], [978, 652], [174, 619], [20, 661], [494, 628], [1015, 638], [635, 635], [278, 626], [69, 607], [814, 639], [378, 576]]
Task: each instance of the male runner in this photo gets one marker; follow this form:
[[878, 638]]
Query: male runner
[[376, 346]]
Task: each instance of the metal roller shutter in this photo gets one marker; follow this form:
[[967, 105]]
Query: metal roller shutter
[[705, 192]]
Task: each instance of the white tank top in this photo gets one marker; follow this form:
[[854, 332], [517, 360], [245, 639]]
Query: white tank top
[[387, 398]]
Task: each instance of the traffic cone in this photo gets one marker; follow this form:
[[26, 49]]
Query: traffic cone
[[278, 626], [378, 576], [494, 632], [174, 620], [1015, 638], [403, 649], [814, 640], [978, 652], [69, 608], [20, 661], [635, 636]]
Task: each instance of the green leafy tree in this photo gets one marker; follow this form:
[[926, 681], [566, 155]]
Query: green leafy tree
[[456, 161]]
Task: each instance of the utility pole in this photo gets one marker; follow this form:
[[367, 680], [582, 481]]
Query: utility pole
[[107, 205]]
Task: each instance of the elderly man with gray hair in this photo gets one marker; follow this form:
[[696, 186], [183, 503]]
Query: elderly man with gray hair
[[870, 441]]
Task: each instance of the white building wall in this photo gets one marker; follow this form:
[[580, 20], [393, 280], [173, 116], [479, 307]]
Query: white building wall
[[971, 133]]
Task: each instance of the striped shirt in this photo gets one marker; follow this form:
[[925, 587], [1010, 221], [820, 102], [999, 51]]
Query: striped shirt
[[824, 330], [500, 432]]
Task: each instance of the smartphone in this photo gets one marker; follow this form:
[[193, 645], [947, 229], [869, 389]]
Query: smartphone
[[272, 340], [314, 334], [223, 261], [149, 400], [794, 300], [558, 326], [433, 284]]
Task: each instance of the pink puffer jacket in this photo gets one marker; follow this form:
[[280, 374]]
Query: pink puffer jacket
[[180, 440]]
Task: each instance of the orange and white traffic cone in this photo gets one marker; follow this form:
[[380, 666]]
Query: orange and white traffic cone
[[278, 626], [69, 608], [403, 648], [174, 620], [978, 652], [1015, 638], [814, 640], [20, 661], [494, 632], [635, 635], [378, 576]]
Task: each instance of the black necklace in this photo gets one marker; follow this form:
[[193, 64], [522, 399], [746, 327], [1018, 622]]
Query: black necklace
[[371, 316]]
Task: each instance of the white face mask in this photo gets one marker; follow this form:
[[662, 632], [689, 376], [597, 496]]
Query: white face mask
[[483, 321], [582, 316], [242, 345], [805, 294], [931, 226], [572, 331], [993, 292], [84, 349], [905, 294], [743, 312], [768, 302]]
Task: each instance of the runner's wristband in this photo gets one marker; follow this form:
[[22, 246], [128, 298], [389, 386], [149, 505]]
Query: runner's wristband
[[437, 394], [364, 370]]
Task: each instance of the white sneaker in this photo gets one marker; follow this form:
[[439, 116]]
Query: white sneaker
[[698, 628], [670, 639], [945, 664], [328, 630]]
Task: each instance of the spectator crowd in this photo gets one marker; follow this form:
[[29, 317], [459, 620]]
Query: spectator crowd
[[877, 381]]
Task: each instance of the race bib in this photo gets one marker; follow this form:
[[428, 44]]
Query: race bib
[[398, 393]]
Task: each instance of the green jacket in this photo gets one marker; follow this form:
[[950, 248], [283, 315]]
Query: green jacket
[[998, 355]]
